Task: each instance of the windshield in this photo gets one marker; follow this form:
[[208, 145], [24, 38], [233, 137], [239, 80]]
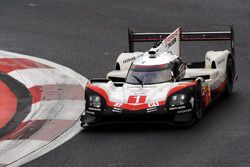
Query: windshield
[[148, 74]]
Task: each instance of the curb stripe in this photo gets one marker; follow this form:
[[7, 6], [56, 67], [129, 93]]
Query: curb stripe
[[56, 109], [8, 104], [15, 150], [56, 92], [45, 130], [10, 64], [23, 107], [42, 76]]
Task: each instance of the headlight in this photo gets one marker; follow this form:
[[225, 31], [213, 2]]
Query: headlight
[[178, 100], [95, 101]]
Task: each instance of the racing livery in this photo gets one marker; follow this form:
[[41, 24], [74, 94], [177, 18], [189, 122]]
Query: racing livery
[[157, 85]]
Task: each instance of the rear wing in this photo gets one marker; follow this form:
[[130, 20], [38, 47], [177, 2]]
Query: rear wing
[[134, 37]]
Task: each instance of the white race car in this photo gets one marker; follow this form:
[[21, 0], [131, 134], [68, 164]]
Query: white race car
[[157, 85]]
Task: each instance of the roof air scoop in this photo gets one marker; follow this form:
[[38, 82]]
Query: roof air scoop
[[152, 53]]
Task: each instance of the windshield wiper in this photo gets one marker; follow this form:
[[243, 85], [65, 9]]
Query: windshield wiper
[[139, 80]]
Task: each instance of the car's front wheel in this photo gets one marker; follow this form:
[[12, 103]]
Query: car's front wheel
[[198, 107]]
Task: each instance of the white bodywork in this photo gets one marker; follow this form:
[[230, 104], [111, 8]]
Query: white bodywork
[[218, 75], [166, 52], [158, 92]]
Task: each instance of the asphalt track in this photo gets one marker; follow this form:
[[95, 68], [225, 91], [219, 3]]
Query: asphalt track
[[88, 35]]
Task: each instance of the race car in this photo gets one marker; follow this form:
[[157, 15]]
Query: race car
[[157, 85]]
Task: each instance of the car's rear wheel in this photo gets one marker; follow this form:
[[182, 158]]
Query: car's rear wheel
[[230, 80]]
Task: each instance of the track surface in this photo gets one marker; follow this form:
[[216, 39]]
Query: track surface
[[88, 35]]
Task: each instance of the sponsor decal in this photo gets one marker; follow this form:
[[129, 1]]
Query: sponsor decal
[[171, 43], [221, 61], [134, 86], [117, 105], [90, 112], [192, 102], [144, 86], [177, 108], [94, 109], [172, 36], [117, 110], [128, 60], [205, 89], [153, 104], [151, 109], [139, 93], [184, 111], [206, 94]]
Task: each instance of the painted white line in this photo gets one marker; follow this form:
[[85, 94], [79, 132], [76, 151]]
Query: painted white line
[[32, 5], [12, 150], [41, 76], [67, 135], [56, 109], [66, 70]]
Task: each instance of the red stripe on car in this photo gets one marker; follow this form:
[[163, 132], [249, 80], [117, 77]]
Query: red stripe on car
[[220, 87], [180, 87]]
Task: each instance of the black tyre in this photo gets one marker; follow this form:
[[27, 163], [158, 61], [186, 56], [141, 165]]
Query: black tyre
[[198, 107], [230, 79]]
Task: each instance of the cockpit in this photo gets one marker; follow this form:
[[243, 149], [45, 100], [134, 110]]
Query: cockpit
[[149, 74]]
